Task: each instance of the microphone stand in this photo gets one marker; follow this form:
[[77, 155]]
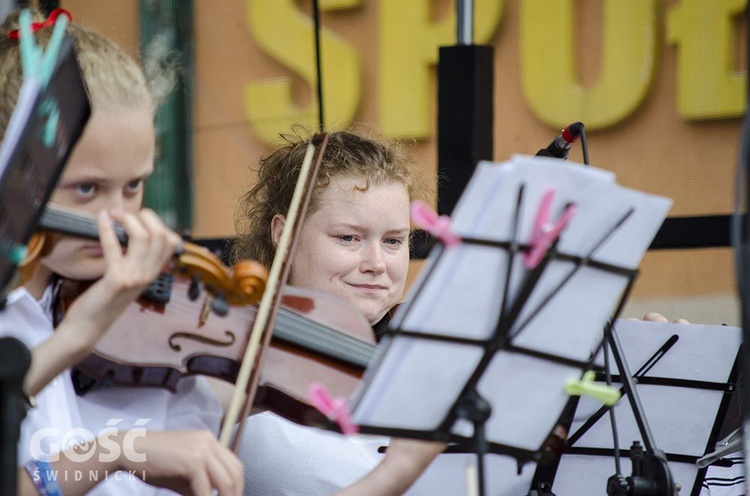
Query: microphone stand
[[15, 359], [742, 263]]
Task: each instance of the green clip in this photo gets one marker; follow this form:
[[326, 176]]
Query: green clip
[[48, 62], [49, 108], [14, 254], [35, 62], [39, 65], [586, 386]]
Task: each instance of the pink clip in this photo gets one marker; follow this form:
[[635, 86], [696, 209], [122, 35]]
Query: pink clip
[[440, 227], [546, 232], [336, 409]]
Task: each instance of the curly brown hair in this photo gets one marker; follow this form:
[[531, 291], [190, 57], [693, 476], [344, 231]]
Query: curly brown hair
[[113, 79], [347, 153]]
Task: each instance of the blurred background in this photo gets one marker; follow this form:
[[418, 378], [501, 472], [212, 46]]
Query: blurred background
[[660, 86]]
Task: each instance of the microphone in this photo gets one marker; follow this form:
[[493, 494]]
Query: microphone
[[560, 146]]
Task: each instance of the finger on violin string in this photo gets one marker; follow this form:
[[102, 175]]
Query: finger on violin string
[[155, 224], [164, 241], [137, 233], [150, 242], [107, 238]]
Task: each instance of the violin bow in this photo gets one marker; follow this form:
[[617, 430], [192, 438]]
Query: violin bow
[[248, 376]]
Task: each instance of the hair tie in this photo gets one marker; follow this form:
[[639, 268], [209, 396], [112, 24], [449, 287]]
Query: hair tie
[[36, 26]]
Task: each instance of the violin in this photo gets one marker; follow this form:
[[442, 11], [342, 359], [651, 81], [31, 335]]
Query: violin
[[181, 327], [240, 285], [156, 343]]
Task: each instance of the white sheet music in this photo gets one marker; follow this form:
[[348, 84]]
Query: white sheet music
[[462, 291], [680, 417], [447, 475]]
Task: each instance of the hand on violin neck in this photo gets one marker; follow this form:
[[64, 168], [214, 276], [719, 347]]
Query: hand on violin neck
[[126, 274], [128, 271]]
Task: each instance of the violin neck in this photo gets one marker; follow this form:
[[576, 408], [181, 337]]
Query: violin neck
[[72, 223]]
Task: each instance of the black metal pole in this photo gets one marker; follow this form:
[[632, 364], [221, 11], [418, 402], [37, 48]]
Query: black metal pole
[[742, 260], [465, 109], [15, 359], [319, 72], [464, 22]]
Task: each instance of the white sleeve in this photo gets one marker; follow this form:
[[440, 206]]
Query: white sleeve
[[194, 406], [281, 457]]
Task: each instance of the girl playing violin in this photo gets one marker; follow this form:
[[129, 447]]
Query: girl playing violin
[[354, 244], [122, 436]]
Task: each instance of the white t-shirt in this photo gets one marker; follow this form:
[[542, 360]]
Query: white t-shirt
[[284, 458], [62, 418]]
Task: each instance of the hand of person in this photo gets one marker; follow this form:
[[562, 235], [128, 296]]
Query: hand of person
[[127, 274], [189, 462], [657, 317], [404, 462]]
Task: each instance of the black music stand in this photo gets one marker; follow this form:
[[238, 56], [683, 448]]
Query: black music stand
[[29, 170], [685, 380], [15, 359], [481, 331]]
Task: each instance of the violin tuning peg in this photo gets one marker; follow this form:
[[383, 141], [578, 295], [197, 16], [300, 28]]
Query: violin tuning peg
[[160, 291], [194, 291], [220, 306]]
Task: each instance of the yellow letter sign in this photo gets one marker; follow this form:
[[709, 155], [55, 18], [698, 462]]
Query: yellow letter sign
[[286, 34], [409, 43], [548, 61], [708, 82]]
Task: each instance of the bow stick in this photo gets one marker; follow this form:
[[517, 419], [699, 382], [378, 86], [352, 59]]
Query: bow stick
[[252, 363]]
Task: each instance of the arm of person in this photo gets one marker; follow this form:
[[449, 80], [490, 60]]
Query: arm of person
[[126, 276], [189, 462], [404, 462]]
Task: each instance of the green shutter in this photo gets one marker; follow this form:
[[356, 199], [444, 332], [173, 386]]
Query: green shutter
[[166, 29]]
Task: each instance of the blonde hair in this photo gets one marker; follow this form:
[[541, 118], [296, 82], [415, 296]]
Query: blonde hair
[[376, 160], [113, 79]]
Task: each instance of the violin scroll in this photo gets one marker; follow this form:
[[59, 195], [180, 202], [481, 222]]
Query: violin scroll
[[240, 285]]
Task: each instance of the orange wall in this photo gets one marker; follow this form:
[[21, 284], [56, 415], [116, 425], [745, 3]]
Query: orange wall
[[654, 149]]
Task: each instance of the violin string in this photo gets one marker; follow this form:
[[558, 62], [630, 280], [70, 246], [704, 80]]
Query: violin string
[[302, 331], [348, 345], [320, 337], [323, 331]]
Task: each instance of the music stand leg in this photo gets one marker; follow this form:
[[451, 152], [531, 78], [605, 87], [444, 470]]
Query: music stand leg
[[477, 410], [627, 383], [650, 468], [15, 359]]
